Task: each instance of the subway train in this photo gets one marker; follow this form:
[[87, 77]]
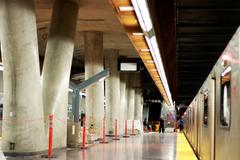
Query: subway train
[[212, 120]]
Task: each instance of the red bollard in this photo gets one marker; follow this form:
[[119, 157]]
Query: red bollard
[[133, 134], [50, 138], [125, 134], [104, 138], [116, 136], [84, 134], [104, 131], [175, 126]]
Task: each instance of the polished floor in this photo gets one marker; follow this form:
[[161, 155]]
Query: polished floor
[[150, 146]]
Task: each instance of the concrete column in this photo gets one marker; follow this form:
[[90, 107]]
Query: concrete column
[[131, 101], [138, 104], [112, 91], [138, 110], [57, 66], [23, 122], [123, 103], [94, 94]]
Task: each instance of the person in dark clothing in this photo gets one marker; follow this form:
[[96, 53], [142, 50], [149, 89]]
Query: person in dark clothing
[[145, 124], [180, 124], [161, 127]]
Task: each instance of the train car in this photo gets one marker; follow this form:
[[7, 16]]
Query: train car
[[212, 120]]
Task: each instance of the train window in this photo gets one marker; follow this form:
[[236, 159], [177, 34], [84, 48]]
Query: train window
[[225, 97], [205, 112]]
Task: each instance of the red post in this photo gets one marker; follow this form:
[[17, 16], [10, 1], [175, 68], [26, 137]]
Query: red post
[[115, 129], [125, 134], [175, 126], [125, 127], [104, 138], [50, 138], [84, 133], [132, 127]]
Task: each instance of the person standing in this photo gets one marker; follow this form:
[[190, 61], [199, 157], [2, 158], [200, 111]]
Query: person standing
[[145, 124], [180, 124], [161, 127]]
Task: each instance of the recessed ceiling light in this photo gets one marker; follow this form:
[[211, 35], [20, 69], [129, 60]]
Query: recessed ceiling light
[[150, 61], [137, 34], [126, 8], [145, 50], [154, 70]]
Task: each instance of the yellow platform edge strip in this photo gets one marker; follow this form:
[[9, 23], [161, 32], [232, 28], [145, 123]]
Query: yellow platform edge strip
[[184, 150]]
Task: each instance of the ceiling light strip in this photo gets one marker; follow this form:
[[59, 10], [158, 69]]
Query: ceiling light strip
[[143, 15]]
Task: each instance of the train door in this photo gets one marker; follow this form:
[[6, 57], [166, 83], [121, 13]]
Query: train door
[[213, 116], [195, 125], [199, 128]]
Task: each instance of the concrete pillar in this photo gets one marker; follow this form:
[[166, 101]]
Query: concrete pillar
[[57, 67], [131, 102], [138, 104], [138, 110], [23, 122], [123, 102], [112, 91], [94, 94]]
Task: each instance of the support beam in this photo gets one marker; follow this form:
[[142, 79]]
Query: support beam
[[92, 80], [77, 88]]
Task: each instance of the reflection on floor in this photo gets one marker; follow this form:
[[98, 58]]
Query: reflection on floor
[[150, 146]]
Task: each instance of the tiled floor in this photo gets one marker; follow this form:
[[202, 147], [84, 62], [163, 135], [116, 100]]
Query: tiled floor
[[151, 146]]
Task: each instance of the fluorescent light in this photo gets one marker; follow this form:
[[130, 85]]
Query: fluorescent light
[[158, 61], [144, 50], [126, 8], [141, 9], [142, 12], [228, 69], [137, 34], [70, 90]]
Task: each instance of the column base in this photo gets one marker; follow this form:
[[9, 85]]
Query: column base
[[32, 154], [126, 136], [104, 142], [83, 148]]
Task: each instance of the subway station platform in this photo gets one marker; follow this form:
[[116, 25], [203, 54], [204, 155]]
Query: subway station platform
[[148, 146]]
